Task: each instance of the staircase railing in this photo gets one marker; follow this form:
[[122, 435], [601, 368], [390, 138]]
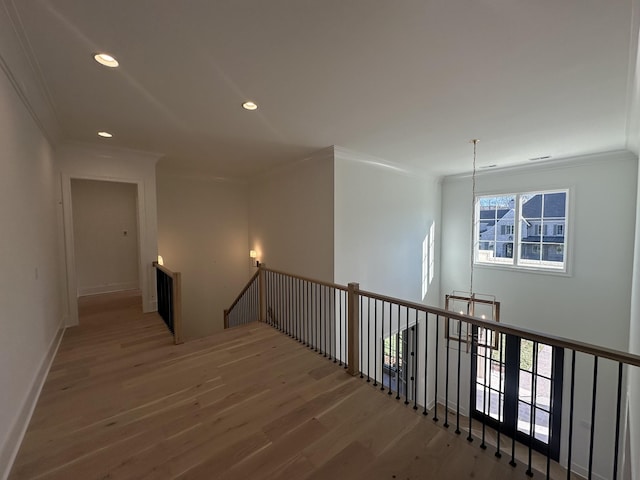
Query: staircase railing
[[454, 367], [246, 307], [169, 294]]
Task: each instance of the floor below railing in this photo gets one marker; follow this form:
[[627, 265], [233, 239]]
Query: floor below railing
[[122, 401]]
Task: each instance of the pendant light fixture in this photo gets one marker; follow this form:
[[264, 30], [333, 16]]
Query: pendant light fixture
[[471, 303]]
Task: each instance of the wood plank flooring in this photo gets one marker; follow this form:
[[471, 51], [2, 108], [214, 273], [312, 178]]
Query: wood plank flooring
[[121, 401]]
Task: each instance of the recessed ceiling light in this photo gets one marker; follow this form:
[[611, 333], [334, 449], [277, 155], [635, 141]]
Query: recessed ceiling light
[[105, 134], [546, 157], [250, 105], [106, 60]]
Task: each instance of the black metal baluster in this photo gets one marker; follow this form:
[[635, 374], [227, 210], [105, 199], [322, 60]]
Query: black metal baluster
[[515, 413], [368, 338], [532, 410], [324, 319], [472, 375], [618, 408], [285, 316], [405, 370], [292, 307], [573, 381], [282, 318], [446, 381], [320, 300], [435, 384], [339, 329], [297, 301], [267, 277], [276, 301], [361, 333], [486, 409], [316, 310], [593, 414], [551, 415], [327, 325], [343, 332], [337, 326], [375, 341], [280, 300], [397, 350], [289, 319], [458, 380], [285, 313], [414, 373], [327, 340], [500, 350], [382, 349], [309, 315], [303, 311]]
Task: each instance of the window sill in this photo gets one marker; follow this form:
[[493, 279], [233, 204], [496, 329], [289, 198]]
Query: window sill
[[523, 269]]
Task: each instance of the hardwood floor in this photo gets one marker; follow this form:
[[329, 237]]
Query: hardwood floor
[[121, 401]]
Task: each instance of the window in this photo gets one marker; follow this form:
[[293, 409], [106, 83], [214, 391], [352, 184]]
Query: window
[[507, 229], [522, 230]]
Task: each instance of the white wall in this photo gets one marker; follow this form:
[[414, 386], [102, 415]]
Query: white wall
[[203, 233], [381, 219], [592, 303], [105, 231], [382, 216], [120, 165], [291, 217], [31, 316]]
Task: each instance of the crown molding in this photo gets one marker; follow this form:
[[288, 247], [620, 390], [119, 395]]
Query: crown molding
[[21, 68], [552, 164]]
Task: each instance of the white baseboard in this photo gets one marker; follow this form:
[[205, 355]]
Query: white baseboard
[[16, 434], [113, 287], [584, 472]]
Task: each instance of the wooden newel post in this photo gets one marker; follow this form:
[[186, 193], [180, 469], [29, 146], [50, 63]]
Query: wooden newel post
[[353, 331], [226, 318], [262, 287]]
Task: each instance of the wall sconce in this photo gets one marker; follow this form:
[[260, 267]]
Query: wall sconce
[[253, 255], [160, 260]]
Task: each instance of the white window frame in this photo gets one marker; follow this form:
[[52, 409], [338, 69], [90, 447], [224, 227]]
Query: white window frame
[[516, 262]]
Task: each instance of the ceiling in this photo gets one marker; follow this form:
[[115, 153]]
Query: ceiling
[[410, 82]]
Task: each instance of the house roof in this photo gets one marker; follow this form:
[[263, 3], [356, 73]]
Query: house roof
[[554, 206]]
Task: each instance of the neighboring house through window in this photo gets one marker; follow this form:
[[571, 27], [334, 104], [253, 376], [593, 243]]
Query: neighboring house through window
[[522, 230]]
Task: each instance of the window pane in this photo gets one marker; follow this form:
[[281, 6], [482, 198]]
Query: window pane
[[495, 229], [542, 229]]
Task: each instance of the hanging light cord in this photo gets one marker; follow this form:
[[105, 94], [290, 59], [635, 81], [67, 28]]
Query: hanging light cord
[[473, 212]]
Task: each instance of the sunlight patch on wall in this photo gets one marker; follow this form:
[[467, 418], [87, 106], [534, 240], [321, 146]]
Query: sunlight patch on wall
[[428, 259]]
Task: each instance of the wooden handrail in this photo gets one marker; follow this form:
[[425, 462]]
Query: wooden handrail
[[246, 287], [337, 286], [556, 341], [163, 268]]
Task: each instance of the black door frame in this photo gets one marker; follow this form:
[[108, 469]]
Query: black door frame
[[511, 396]]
